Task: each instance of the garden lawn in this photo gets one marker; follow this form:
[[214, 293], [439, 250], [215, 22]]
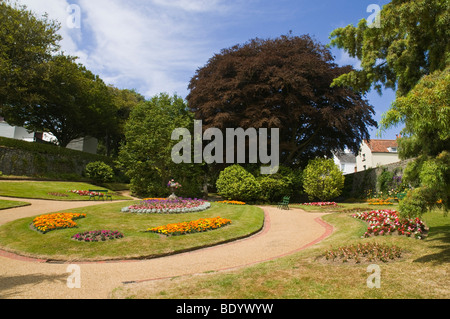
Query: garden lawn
[[43, 190], [58, 245], [424, 271], [7, 204]]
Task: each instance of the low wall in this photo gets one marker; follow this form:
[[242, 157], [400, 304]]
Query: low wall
[[20, 162]]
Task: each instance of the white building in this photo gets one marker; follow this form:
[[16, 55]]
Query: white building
[[346, 161], [376, 153], [15, 132], [85, 144]]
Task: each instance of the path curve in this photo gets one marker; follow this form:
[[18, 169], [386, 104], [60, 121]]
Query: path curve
[[284, 233]]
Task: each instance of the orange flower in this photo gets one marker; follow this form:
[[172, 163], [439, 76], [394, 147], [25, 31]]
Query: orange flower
[[196, 226], [49, 222]]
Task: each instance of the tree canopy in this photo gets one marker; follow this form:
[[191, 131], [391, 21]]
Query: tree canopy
[[146, 157], [26, 42], [413, 40], [70, 102], [282, 83]]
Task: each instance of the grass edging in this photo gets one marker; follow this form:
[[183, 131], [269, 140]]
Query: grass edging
[[248, 230]]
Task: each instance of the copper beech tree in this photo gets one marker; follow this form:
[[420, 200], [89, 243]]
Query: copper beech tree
[[282, 83]]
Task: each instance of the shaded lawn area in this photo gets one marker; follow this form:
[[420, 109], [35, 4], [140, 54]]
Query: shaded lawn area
[[17, 236], [423, 272], [50, 190]]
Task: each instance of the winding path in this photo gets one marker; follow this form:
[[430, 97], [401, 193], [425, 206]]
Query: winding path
[[284, 233]]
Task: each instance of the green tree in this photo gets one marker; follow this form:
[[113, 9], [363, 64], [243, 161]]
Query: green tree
[[146, 155], [282, 83], [70, 102], [425, 112], [122, 103], [26, 43], [323, 179], [413, 40]]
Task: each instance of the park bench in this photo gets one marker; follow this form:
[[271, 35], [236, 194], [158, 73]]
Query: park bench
[[284, 204], [400, 196], [101, 194]]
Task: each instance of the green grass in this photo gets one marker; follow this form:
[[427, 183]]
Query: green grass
[[41, 190], [7, 204], [422, 273], [18, 237]]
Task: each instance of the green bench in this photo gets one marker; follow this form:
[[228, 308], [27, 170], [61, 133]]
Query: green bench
[[400, 196], [284, 204], [100, 193]]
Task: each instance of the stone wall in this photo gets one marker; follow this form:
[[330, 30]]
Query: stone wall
[[20, 162], [358, 184]]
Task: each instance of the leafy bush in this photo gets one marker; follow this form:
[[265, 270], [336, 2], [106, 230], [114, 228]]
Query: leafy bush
[[323, 179], [235, 183], [273, 188], [99, 172], [433, 190]]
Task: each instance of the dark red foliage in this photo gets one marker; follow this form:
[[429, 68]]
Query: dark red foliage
[[282, 83]]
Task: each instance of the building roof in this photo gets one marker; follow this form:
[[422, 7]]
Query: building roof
[[346, 157], [381, 146]]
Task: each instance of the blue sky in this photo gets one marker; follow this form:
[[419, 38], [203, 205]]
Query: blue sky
[[156, 46]]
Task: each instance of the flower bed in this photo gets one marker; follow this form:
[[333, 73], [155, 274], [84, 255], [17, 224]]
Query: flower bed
[[84, 193], [97, 235], [387, 222], [196, 226], [380, 201], [367, 252], [49, 222], [166, 206], [231, 202], [320, 204], [56, 194]]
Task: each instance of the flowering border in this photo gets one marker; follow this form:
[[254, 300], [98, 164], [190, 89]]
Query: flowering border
[[97, 235], [388, 222], [196, 226], [231, 202], [320, 204], [49, 222]]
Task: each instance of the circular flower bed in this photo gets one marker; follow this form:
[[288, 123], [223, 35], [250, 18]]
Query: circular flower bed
[[387, 222], [165, 206], [97, 235]]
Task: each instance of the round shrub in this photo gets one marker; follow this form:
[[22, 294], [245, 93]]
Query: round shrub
[[235, 183], [99, 172], [323, 179], [273, 188]]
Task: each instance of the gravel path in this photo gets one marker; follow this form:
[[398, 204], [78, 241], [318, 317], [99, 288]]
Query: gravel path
[[284, 233]]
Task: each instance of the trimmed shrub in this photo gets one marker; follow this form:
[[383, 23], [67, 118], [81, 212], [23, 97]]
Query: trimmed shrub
[[323, 179], [99, 172], [235, 183]]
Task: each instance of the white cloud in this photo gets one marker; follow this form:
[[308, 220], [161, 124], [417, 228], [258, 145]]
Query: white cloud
[[152, 46]]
